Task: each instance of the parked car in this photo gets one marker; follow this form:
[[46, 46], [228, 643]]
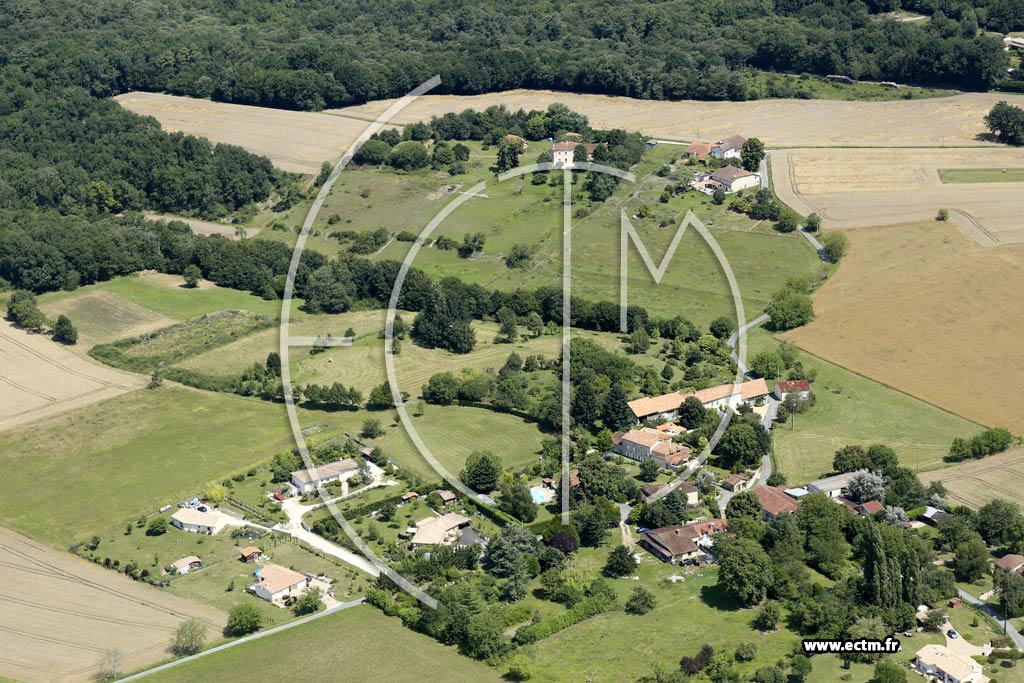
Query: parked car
[[908, 634], [952, 633]]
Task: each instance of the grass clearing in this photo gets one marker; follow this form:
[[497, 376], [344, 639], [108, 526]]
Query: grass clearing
[[101, 316], [924, 309], [981, 175], [127, 456], [355, 637]]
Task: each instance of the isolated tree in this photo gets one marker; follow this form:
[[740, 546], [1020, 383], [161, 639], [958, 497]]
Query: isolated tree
[[23, 310], [835, 244], [244, 619], [157, 526], [801, 666], [721, 327], [751, 154], [1006, 122], [692, 412], [790, 308], [371, 429], [189, 637], [273, 363], [718, 196], [744, 570], [641, 601], [309, 602], [64, 331], [813, 223], [888, 671], [970, 560], [515, 587], [895, 516], [509, 150], [620, 563], [768, 618], [769, 674], [110, 665], [191, 275], [788, 220], [481, 471]]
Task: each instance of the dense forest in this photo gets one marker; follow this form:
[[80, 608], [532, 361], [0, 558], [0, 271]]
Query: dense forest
[[65, 146]]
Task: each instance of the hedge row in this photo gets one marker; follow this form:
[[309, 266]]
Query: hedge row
[[581, 611]]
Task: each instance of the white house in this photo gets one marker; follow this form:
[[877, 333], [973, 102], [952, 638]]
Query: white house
[[441, 530], [306, 481], [734, 179], [728, 148], [274, 582], [800, 388], [187, 564], [650, 444], [562, 153], [190, 519], [946, 666], [834, 486]]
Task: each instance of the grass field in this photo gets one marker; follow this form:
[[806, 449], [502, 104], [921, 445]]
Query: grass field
[[82, 472], [981, 175], [976, 482], [348, 645], [100, 316], [851, 409], [923, 309]]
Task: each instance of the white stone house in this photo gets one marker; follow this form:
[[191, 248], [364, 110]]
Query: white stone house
[[800, 388], [306, 481], [946, 666], [274, 582], [190, 519], [562, 153], [729, 148]]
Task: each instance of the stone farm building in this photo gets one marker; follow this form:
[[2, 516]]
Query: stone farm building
[[729, 178], [834, 486], [728, 148], [683, 543], [774, 501], [698, 149], [650, 444], [306, 481], [801, 388], [274, 582], [666, 406], [685, 488]]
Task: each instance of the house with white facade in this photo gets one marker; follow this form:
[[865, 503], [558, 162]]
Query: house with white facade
[[666, 406], [443, 530], [650, 444], [834, 486], [190, 519], [274, 583], [728, 148], [800, 388], [306, 481], [562, 153], [946, 666]]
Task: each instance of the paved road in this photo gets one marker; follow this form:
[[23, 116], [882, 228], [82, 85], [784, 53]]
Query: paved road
[[1011, 630], [765, 180], [246, 639], [293, 527]]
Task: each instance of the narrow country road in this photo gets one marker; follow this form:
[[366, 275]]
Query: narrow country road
[[246, 639], [1011, 630], [766, 460]]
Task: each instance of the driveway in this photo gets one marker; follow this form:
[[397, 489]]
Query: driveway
[[1011, 631]]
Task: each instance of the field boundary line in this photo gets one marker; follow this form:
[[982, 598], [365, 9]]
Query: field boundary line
[[246, 639]]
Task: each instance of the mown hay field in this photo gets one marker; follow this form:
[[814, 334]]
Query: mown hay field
[[851, 188], [62, 613], [976, 482], [929, 122], [923, 308]]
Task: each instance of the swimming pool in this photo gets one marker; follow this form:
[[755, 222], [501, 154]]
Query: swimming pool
[[537, 495]]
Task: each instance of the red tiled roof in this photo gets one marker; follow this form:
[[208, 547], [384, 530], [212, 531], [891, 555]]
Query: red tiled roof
[[872, 507], [793, 385], [774, 500], [563, 147]]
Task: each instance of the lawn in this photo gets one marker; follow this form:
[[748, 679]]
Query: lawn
[[76, 474], [344, 647], [981, 175], [852, 409]]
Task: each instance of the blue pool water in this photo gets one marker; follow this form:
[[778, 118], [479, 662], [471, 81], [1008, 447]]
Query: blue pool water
[[537, 495]]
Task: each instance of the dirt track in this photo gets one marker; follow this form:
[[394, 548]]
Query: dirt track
[[922, 308], [62, 613], [779, 123], [853, 188], [40, 378]]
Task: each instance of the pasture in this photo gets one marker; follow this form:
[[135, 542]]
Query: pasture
[[297, 142], [355, 637], [976, 482], [955, 120], [41, 378], [924, 309], [852, 188], [100, 316], [96, 609], [115, 460]]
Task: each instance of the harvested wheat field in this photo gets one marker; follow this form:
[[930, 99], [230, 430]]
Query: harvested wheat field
[[42, 378], [976, 482], [914, 307], [852, 188], [62, 614], [930, 122], [205, 227], [295, 141]]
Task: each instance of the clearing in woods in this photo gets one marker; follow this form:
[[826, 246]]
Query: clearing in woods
[[101, 316], [852, 188], [912, 307], [295, 141], [97, 610], [41, 378], [977, 482], [930, 122], [206, 227]]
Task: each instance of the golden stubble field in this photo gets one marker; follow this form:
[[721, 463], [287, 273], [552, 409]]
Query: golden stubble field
[[853, 188], [923, 308], [62, 614], [931, 122], [977, 482], [41, 378]]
